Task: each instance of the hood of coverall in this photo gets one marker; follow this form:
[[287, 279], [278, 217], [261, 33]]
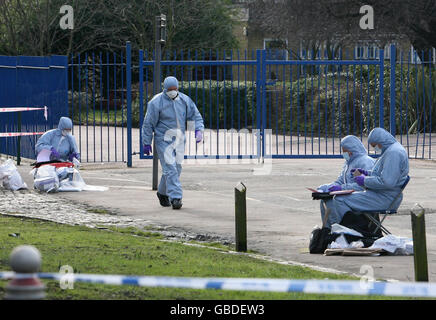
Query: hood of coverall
[[354, 145], [381, 136], [170, 82], [65, 123]]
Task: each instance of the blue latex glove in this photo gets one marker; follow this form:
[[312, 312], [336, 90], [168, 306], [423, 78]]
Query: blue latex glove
[[147, 149], [54, 154], [362, 171], [360, 180], [335, 188], [198, 136], [73, 155]]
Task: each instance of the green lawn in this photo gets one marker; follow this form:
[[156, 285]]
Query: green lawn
[[141, 253]]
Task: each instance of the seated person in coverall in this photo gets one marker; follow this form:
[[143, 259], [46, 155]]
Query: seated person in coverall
[[383, 183], [356, 156], [60, 142], [166, 116]]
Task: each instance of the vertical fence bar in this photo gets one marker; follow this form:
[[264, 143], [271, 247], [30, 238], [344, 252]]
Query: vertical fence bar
[[417, 104], [263, 103], [333, 107], [407, 102], [430, 96], [382, 85], [129, 101], [87, 106], [291, 98], [339, 103], [72, 90], [305, 110], [392, 89], [101, 107], [311, 98], [354, 95], [319, 105], [141, 101], [115, 106], [107, 103], [123, 91], [80, 105], [347, 105], [401, 98], [423, 102], [93, 98]]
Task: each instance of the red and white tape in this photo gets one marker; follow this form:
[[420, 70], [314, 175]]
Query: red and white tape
[[19, 134], [20, 109]]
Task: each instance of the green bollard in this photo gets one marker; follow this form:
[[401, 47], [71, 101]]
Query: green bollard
[[419, 244], [241, 217]]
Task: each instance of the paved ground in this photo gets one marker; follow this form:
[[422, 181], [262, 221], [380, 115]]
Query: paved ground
[[280, 214]]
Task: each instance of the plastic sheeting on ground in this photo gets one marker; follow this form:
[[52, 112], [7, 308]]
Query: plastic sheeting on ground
[[394, 245], [49, 179], [10, 178]]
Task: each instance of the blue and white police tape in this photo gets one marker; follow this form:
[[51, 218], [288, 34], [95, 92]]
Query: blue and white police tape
[[349, 287]]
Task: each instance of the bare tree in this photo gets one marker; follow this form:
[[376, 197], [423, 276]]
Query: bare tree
[[337, 21]]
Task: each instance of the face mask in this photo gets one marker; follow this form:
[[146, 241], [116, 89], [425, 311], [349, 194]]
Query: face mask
[[172, 94], [346, 156], [377, 149], [66, 132]]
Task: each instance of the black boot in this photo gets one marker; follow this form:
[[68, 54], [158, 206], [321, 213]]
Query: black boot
[[164, 201], [177, 203]]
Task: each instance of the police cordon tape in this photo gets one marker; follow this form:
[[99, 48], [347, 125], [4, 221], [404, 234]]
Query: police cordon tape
[[20, 134], [21, 109], [340, 287]]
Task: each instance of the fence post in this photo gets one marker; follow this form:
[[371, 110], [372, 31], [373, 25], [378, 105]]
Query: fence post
[[393, 54], [18, 138], [382, 88], [129, 102], [160, 35], [419, 245], [241, 217], [26, 262]]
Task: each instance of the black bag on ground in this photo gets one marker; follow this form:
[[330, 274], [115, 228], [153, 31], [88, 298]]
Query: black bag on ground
[[320, 239]]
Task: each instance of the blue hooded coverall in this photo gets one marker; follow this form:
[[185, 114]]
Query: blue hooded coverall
[[358, 159], [167, 119], [64, 145], [384, 181]]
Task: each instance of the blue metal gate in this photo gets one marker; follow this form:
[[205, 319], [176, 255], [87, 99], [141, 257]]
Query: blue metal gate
[[263, 107]]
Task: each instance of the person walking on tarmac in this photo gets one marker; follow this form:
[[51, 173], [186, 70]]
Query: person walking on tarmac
[[167, 113]]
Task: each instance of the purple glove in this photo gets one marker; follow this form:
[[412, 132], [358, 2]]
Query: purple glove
[[73, 155], [360, 180], [198, 136], [362, 171], [54, 154], [147, 149], [335, 188]]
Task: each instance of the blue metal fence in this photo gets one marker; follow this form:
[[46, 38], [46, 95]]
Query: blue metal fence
[[412, 99], [311, 104], [31, 82], [224, 90], [254, 104]]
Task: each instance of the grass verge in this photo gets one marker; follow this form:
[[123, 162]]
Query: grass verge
[[131, 253]]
